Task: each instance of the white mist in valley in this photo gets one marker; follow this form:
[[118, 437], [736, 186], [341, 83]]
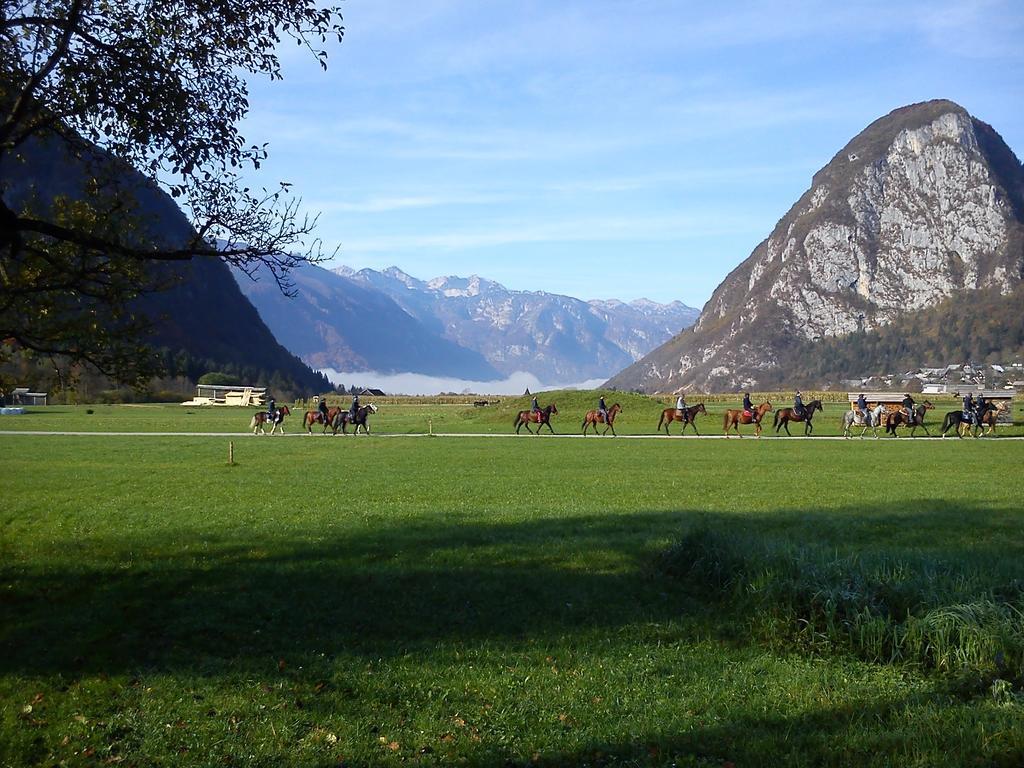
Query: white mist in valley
[[420, 384]]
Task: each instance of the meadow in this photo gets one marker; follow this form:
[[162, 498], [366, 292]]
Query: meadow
[[476, 601], [422, 415]]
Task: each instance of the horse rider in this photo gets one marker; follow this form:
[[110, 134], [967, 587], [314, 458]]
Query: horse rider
[[602, 409], [798, 404], [323, 409], [353, 408], [681, 407], [747, 405], [969, 405], [982, 406], [535, 407], [862, 407], [271, 409], [908, 407]]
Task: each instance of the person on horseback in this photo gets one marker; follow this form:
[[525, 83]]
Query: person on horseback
[[980, 408], [798, 404], [747, 405], [535, 406], [908, 408], [271, 409], [681, 406], [353, 408], [323, 409], [968, 414], [602, 409], [862, 407]]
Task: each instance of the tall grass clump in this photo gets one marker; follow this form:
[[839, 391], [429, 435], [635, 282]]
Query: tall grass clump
[[948, 617]]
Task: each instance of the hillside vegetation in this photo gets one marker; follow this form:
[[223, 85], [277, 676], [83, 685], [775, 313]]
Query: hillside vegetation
[[981, 326]]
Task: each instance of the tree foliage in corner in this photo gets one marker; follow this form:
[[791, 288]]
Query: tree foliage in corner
[[142, 95]]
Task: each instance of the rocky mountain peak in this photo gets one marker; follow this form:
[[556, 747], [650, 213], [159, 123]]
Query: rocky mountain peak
[[923, 202]]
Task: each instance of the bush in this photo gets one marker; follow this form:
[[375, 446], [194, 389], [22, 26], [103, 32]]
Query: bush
[[922, 612]]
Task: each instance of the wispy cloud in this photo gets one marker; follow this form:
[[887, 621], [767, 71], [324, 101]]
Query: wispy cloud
[[403, 203], [604, 229]]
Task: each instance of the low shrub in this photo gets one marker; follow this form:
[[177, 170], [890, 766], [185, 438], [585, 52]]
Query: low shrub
[[934, 615]]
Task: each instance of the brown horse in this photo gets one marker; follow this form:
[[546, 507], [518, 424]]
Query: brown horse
[[736, 416], [595, 417], [899, 418], [315, 417], [987, 420], [542, 417], [785, 415], [259, 420], [688, 416]]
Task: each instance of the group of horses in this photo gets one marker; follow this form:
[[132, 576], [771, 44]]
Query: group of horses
[[336, 418], [983, 424], [734, 417], [542, 418]]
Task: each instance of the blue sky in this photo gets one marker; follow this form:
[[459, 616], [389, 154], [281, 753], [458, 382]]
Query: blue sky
[[599, 149]]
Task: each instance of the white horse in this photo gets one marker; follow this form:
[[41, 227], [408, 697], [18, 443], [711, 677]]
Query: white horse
[[259, 420], [872, 419]]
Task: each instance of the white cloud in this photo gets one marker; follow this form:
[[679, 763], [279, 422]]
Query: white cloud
[[420, 384]]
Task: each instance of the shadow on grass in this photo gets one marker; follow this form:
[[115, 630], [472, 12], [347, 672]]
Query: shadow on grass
[[239, 603]]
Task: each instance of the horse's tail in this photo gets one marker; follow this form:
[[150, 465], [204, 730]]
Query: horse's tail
[[661, 421], [725, 420], [252, 422], [947, 422], [775, 421], [518, 417]]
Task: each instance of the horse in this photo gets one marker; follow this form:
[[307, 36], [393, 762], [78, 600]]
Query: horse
[[344, 418], [785, 415], [595, 417], [689, 414], [736, 416], [541, 417], [259, 420], [987, 419], [898, 418], [315, 417], [871, 419]]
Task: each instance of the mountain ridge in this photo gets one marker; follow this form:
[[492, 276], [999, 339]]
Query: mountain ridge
[[923, 202], [555, 337]]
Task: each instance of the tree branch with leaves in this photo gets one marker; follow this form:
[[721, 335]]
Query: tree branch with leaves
[[138, 96]]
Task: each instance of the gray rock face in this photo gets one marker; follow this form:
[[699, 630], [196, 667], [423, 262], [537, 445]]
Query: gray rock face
[[557, 338], [924, 202]]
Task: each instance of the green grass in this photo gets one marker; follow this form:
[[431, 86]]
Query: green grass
[[640, 416], [482, 602]]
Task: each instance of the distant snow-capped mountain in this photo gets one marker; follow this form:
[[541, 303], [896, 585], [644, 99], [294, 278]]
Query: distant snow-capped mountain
[[557, 338]]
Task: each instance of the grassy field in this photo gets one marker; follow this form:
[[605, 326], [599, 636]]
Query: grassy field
[[640, 416], [504, 602]]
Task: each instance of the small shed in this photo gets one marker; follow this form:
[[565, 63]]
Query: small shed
[[21, 396], [223, 394]]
